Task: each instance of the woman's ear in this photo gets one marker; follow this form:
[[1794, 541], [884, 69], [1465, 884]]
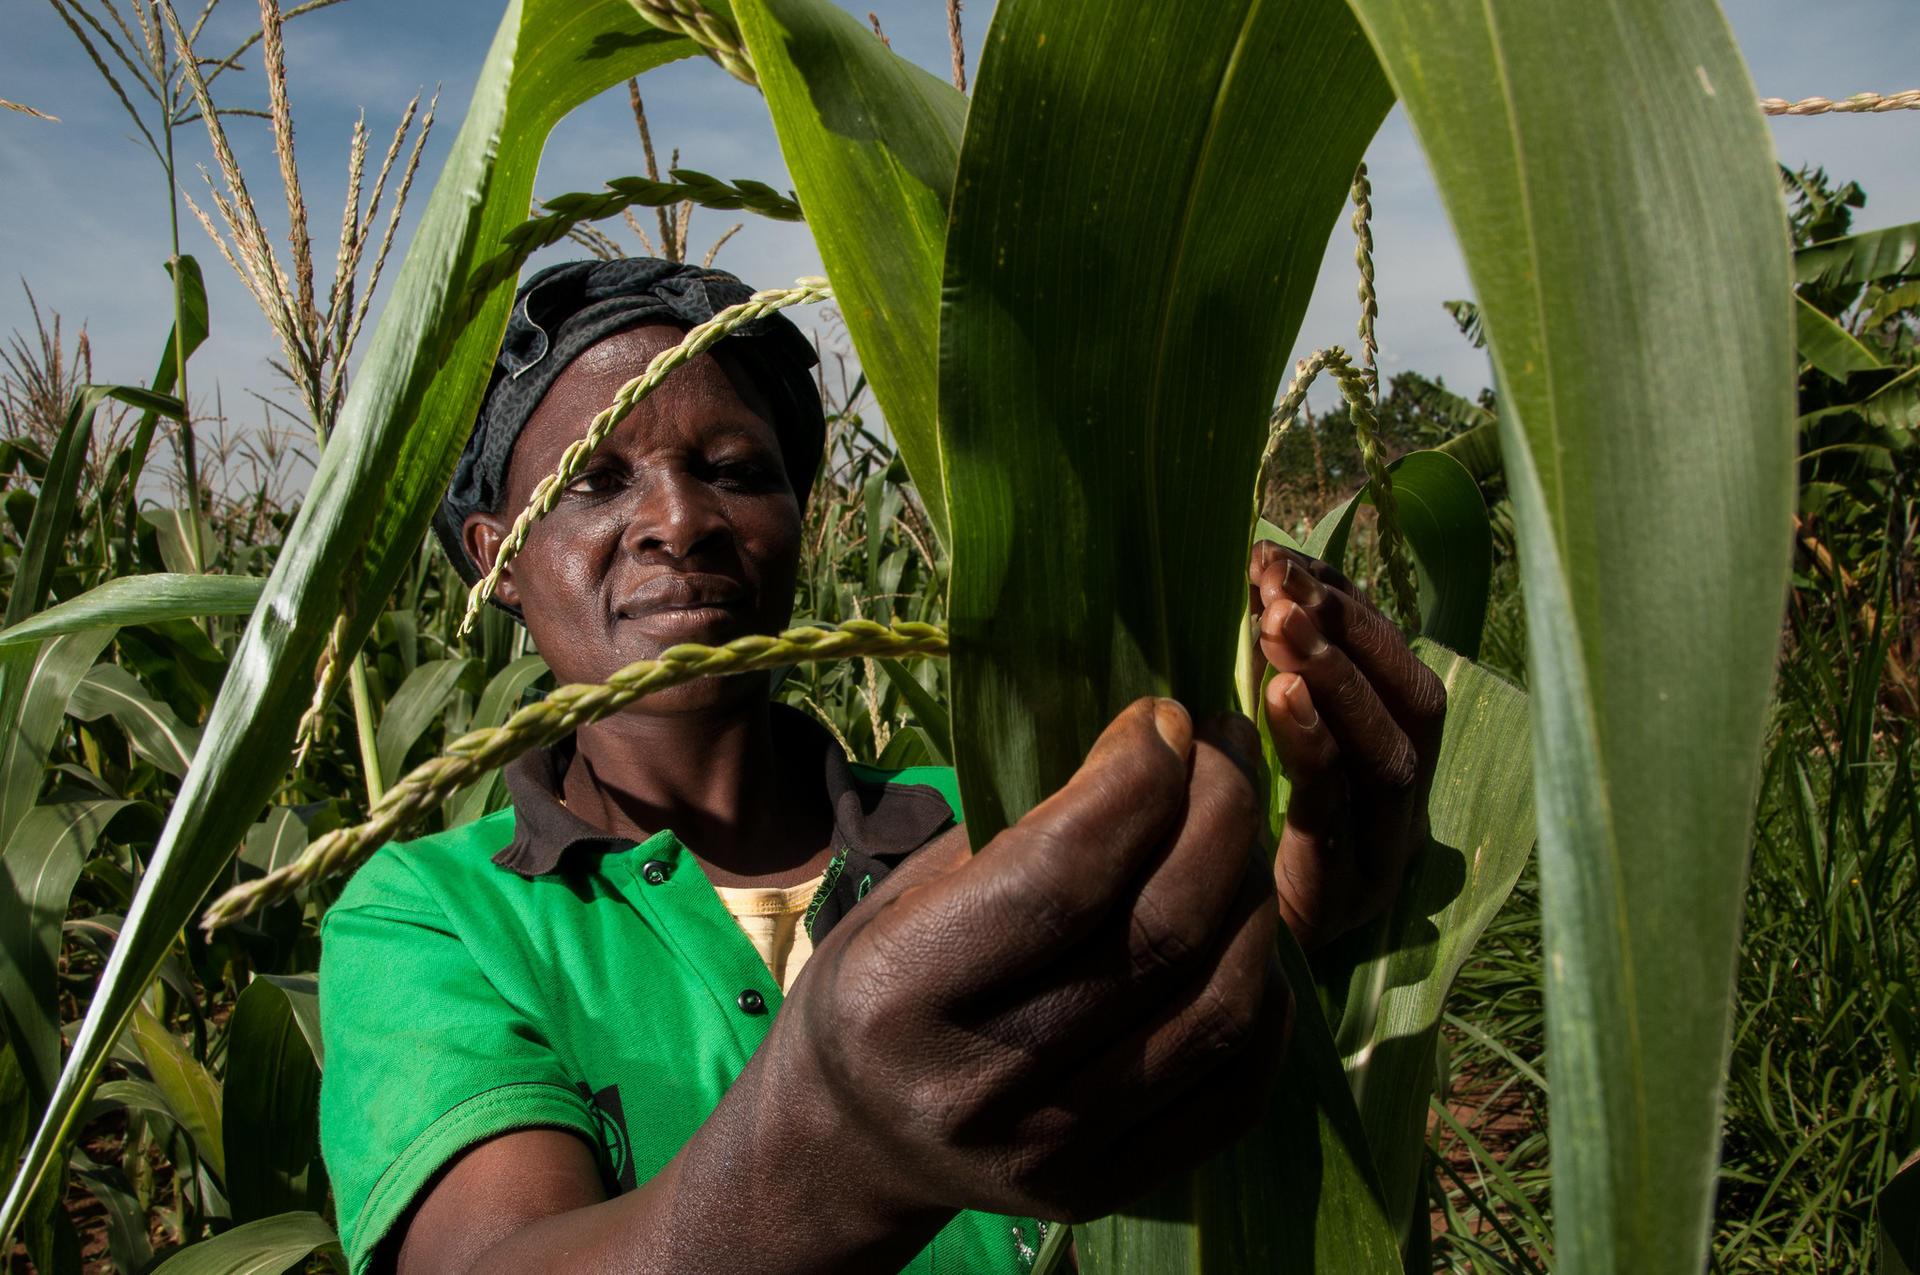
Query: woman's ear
[[482, 534]]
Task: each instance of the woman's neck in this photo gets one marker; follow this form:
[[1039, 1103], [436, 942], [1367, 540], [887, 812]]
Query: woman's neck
[[718, 779]]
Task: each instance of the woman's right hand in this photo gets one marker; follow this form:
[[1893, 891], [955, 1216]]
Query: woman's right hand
[[1044, 1029], [1052, 1026]]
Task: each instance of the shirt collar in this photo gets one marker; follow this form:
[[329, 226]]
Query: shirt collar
[[872, 820]]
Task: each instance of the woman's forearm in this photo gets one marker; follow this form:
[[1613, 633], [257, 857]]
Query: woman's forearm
[[772, 1182]]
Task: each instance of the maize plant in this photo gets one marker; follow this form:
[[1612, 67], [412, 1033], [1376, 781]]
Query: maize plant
[[1072, 294]]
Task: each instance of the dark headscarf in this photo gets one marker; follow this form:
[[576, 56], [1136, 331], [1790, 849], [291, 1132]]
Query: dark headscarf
[[562, 310]]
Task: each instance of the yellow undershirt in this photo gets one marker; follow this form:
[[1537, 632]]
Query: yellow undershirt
[[771, 919]]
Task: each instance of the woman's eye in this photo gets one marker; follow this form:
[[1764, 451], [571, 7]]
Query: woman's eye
[[741, 474], [595, 482]]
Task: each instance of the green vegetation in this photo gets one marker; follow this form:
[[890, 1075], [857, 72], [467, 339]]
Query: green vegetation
[[1610, 532]]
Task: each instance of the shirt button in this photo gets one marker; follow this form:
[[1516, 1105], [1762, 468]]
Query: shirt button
[[655, 872], [752, 1002]]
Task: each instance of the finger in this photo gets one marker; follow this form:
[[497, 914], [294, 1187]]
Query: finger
[[1193, 897], [1219, 1106], [1040, 886], [1212, 1015], [1411, 692], [1348, 704], [1308, 754]]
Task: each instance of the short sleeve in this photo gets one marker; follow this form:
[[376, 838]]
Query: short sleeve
[[424, 1057]]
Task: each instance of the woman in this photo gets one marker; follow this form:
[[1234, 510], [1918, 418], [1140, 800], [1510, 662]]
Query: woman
[[551, 1039]]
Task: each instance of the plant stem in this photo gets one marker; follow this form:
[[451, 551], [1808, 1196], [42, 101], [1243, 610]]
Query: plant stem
[[188, 460], [363, 726]]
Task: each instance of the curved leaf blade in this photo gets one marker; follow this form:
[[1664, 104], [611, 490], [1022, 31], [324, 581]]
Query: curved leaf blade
[[270, 1107], [871, 140], [266, 1247], [1646, 424], [142, 599], [1131, 249], [40, 863], [421, 699]]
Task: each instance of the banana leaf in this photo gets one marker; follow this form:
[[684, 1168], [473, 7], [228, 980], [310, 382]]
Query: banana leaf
[[1609, 180], [1828, 346], [871, 140], [1869, 257], [385, 466]]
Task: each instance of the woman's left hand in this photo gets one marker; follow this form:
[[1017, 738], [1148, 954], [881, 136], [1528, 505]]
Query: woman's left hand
[[1356, 720]]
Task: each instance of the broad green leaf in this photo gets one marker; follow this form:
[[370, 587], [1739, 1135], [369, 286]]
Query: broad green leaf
[[1646, 401], [1298, 1195], [185, 543], [190, 291], [1444, 520], [1870, 257], [385, 468], [266, 1247], [871, 141], [143, 599], [192, 1094], [303, 998], [1403, 966], [1898, 1211], [1830, 347], [34, 685], [928, 712], [1131, 248], [53, 511], [157, 732], [38, 866], [270, 1107], [502, 696], [275, 841], [128, 1241], [419, 702]]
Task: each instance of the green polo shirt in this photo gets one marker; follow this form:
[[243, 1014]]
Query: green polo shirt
[[534, 972]]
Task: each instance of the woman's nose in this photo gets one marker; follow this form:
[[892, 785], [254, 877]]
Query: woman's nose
[[676, 514]]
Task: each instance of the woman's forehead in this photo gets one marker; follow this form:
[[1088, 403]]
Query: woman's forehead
[[701, 394]]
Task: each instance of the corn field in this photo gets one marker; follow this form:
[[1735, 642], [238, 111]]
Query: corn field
[[1646, 1002]]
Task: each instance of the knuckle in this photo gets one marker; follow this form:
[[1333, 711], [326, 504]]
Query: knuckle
[[1399, 768], [1159, 942]]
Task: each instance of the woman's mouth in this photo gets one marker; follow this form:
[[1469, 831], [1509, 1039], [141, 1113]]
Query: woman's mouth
[[685, 607]]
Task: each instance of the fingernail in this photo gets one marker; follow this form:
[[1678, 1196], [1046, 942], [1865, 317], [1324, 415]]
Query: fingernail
[[1174, 725], [1299, 583], [1303, 633], [1300, 703]]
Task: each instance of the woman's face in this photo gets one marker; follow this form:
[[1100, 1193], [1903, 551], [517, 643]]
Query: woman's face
[[681, 528]]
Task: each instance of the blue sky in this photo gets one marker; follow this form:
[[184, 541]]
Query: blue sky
[[85, 220]]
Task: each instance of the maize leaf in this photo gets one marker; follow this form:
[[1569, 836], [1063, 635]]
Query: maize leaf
[[143, 599], [1130, 251], [871, 140], [1609, 179]]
